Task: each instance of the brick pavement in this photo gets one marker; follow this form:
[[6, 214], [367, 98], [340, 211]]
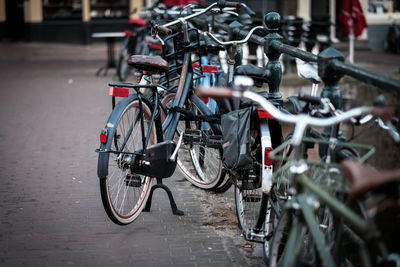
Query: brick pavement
[[52, 108]]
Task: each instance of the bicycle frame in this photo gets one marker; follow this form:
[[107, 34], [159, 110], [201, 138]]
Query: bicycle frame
[[305, 204]]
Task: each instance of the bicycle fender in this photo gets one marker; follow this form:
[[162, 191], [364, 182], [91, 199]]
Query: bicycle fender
[[102, 166]]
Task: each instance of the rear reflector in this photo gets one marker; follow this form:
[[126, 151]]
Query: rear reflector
[[103, 136], [155, 46], [205, 100], [263, 114], [267, 159], [119, 91], [209, 69]]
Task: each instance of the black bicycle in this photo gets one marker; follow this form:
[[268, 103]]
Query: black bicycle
[[138, 144]]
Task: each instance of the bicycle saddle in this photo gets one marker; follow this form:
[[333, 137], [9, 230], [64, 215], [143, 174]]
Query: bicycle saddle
[[364, 179], [137, 22], [258, 74], [148, 63]]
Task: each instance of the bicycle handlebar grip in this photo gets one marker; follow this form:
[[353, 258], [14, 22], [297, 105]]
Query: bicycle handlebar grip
[[309, 98], [223, 3], [164, 30], [382, 113], [231, 4], [216, 92], [221, 26]]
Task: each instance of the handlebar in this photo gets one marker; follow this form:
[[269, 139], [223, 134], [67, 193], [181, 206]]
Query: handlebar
[[237, 41], [253, 39], [302, 121], [184, 19]]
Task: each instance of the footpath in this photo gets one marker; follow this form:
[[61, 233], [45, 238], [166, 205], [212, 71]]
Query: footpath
[[52, 107]]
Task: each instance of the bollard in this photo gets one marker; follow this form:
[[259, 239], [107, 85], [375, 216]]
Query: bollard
[[329, 76], [273, 22]]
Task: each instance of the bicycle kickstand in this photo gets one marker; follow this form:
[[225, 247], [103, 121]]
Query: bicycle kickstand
[[159, 184]]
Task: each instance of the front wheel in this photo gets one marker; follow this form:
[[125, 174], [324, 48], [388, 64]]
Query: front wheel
[[124, 194]]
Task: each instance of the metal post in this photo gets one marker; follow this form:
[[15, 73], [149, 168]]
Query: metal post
[[273, 22], [330, 77]]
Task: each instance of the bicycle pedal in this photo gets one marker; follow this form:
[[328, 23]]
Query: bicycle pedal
[[252, 198], [192, 136], [133, 180]]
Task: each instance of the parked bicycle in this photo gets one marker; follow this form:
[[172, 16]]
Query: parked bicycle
[[136, 145], [310, 228]]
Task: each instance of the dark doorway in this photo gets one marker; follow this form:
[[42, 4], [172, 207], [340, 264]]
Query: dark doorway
[[14, 24]]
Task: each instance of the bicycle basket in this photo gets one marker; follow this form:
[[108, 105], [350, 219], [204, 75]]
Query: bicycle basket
[[327, 175], [173, 51]]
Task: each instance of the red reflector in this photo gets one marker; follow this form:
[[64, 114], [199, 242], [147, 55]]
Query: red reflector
[[103, 138], [128, 33], [210, 69], [155, 46], [267, 159], [195, 65], [205, 100], [119, 91], [263, 114]]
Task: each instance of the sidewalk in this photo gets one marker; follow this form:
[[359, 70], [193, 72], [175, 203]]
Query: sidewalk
[[52, 108]]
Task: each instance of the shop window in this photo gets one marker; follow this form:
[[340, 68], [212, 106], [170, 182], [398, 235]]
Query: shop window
[[103, 9], [383, 6], [62, 9]]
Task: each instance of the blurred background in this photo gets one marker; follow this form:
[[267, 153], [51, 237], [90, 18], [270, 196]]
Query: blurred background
[[74, 21]]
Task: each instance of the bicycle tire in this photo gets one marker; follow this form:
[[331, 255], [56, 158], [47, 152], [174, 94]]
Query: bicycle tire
[[124, 194], [223, 185], [200, 174], [278, 240], [250, 201], [278, 195], [251, 205]]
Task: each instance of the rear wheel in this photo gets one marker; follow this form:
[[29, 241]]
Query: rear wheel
[[124, 194], [200, 164]]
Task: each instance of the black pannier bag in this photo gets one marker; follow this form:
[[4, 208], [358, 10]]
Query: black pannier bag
[[236, 138]]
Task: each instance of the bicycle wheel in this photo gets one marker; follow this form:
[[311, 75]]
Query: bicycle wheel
[[201, 165], [251, 202], [124, 194], [278, 240], [277, 197], [291, 239], [251, 206]]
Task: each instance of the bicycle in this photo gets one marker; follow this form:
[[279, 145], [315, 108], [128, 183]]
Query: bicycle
[[136, 145], [137, 40], [301, 236]]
